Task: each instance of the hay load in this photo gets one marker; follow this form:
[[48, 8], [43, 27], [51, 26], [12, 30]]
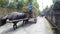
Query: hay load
[[34, 12]]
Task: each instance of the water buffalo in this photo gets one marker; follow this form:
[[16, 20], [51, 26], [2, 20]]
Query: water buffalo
[[14, 16]]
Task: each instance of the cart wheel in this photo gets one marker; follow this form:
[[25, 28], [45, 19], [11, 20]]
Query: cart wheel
[[26, 21], [23, 22], [35, 20]]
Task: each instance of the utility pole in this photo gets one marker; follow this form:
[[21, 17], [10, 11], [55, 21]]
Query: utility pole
[[42, 5]]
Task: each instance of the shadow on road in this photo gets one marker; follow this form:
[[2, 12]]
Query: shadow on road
[[11, 30]]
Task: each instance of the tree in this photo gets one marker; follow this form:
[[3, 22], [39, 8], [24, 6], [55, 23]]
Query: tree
[[13, 5], [3, 3], [36, 5]]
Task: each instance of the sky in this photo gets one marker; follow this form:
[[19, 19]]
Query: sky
[[44, 3]]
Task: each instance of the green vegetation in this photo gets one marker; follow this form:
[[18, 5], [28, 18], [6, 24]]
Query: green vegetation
[[20, 4], [3, 3]]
